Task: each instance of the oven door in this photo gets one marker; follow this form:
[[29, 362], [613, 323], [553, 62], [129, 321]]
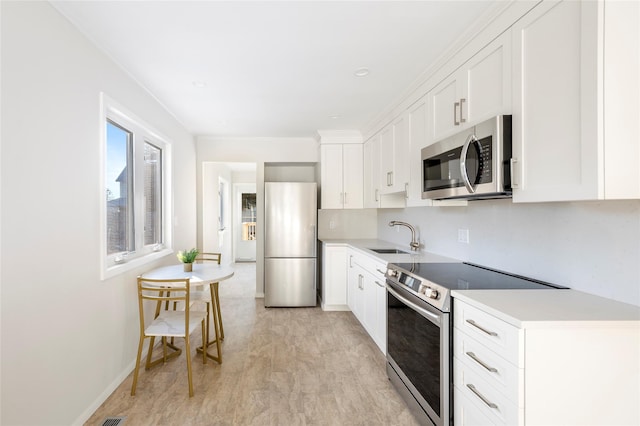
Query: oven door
[[418, 348]]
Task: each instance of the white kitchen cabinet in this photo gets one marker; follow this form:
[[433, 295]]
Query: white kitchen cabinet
[[478, 90], [394, 156], [367, 295], [371, 173], [334, 278], [576, 102], [525, 357], [341, 176]]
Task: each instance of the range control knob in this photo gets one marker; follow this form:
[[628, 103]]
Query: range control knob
[[392, 273], [429, 292]]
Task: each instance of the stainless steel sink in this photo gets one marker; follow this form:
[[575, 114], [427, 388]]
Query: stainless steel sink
[[388, 251]]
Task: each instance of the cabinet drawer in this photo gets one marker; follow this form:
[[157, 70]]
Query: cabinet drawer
[[466, 413], [492, 332], [488, 365], [485, 398]]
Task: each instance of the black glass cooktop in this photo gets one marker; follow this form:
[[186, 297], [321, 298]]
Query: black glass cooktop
[[466, 276]]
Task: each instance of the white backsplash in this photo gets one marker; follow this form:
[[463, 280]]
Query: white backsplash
[[589, 246], [347, 224]]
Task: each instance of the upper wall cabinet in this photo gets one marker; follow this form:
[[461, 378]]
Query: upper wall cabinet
[[394, 152], [341, 176], [478, 90], [576, 102], [371, 169]]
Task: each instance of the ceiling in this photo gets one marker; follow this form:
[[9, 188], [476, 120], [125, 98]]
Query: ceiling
[[273, 68]]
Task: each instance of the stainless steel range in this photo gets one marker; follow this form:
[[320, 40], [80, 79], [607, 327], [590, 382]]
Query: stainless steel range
[[419, 329]]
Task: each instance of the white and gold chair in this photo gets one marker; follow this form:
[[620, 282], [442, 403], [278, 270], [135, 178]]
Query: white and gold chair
[[167, 323]]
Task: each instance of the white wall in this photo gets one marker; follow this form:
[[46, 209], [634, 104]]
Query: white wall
[[68, 339], [211, 239], [589, 246], [259, 151]]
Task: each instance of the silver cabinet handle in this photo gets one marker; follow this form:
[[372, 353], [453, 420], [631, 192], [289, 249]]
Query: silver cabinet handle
[[482, 363], [484, 330], [376, 195], [406, 190], [350, 261], [463, 161], [345, 198], [382, 272], [380, 285], [481, 396], [391, 173], [462, 101], [512, 161], [455, 114], [360, 285]]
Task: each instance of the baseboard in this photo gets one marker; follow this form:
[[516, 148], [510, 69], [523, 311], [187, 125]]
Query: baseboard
[[86, 415]]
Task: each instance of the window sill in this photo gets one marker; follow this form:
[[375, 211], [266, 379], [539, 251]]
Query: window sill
[[121, 268]]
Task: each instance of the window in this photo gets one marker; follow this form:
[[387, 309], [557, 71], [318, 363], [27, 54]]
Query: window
[[136, 196]]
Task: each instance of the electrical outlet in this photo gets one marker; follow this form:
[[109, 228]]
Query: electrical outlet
[[463, 236], [332, 224]]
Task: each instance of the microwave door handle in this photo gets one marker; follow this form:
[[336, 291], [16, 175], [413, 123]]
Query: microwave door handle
[[463, 161]]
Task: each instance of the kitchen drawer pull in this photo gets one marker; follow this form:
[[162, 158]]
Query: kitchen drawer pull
[[479, 361], [382, 272], [484, 330], [482, 397], [380, 285]]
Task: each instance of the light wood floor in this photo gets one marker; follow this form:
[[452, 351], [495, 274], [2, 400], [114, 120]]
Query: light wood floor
[[281, 366]]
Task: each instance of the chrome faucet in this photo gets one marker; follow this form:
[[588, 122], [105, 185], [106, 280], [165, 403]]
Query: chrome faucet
[[415, 245]]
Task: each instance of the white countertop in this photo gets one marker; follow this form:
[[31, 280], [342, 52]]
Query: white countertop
[[541, 308], [364, 245]]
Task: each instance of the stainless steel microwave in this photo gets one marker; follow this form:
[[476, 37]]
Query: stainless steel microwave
[[474, 164]]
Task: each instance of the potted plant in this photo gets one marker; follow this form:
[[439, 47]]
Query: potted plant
[[188, 257]]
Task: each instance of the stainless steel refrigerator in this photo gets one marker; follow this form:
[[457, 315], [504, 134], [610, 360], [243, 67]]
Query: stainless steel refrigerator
[[290, 210]]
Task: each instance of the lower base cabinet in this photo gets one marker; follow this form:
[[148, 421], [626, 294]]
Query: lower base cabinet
[[367, 295], [545, 372]]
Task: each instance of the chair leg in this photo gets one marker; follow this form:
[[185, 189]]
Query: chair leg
[[137, 369], [188, 351], [219, 312], [205, 334], [150, 353]]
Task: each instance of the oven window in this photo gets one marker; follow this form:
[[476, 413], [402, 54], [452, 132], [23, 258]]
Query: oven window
[[414, 344]]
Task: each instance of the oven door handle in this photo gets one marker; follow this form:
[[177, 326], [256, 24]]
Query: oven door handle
[[428, 315]]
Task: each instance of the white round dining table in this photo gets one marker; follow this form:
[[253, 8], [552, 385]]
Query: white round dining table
[[202, 273]]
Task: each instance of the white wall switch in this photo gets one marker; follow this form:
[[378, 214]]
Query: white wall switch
[[463, 236]]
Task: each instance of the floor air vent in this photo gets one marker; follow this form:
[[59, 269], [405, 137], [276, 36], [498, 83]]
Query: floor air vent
[[113, 421]]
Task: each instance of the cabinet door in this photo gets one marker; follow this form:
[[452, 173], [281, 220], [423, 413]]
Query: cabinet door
[[555, 87], [334, 278], [417, 140], [331, 176], [352, 175], [371, 166], [355, 287], [487, 82], [444, 102], [380, 328], [400, 171], [386, 160]]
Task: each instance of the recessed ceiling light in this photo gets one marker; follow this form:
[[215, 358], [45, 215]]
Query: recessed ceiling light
[[361, 72], [199, 84]]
